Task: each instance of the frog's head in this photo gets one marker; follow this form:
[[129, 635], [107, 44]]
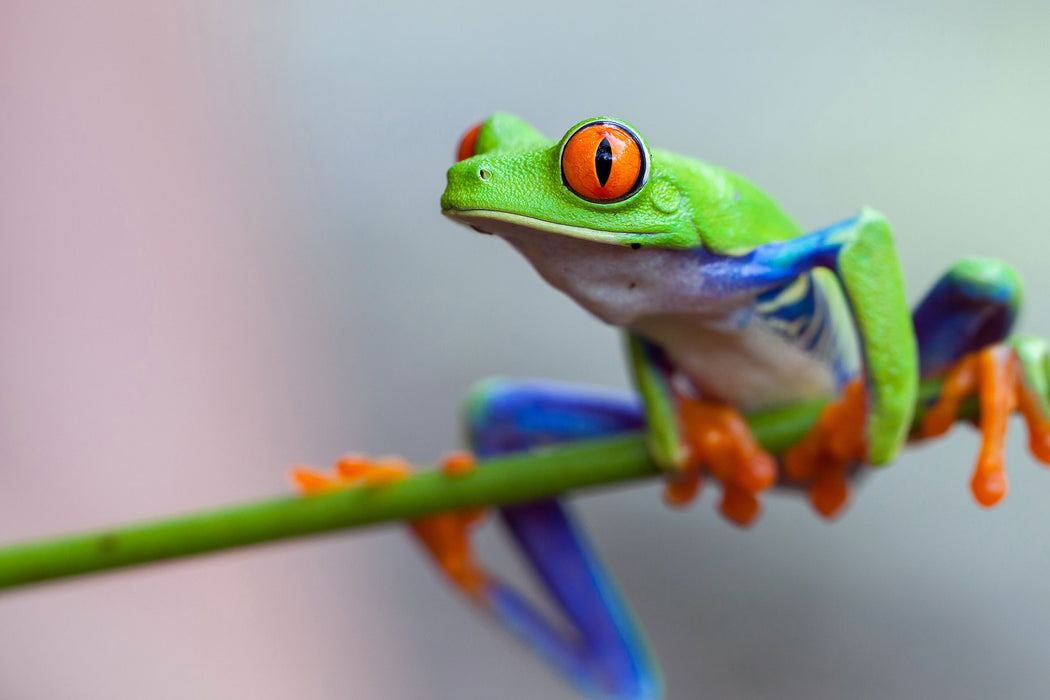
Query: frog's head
[[599, 183]]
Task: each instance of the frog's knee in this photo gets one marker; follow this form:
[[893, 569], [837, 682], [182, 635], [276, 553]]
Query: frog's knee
[[987, 280], [870, 217], [973, 305], [480, 403], [868, 240], [872, 224], [501, 415]]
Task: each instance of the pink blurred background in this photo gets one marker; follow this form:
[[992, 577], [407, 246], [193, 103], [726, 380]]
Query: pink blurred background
[[149, 363], [221, 254]]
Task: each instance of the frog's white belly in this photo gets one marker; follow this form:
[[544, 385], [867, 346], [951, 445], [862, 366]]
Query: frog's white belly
[[748, 365]]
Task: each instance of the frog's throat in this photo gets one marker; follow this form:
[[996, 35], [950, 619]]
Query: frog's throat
[[499, 222]]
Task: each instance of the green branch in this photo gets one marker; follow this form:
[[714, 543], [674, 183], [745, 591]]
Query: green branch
[[522, 477]]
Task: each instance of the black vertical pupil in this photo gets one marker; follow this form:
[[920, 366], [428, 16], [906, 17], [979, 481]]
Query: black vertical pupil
[[603, 160]]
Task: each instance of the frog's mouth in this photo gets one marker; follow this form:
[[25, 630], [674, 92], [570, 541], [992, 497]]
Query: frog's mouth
[[506, 224]]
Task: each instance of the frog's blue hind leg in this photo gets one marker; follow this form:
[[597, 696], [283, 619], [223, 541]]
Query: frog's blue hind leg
[[604, 654], [972, 306]]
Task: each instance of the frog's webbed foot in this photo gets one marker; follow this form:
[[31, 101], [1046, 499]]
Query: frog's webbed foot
[[1006, 377], [445, 535], [822, 458], [717, 439]]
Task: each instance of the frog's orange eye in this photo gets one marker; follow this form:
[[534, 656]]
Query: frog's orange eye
[[604, 161], [468, 145]]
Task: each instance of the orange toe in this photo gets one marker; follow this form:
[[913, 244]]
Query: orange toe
[[959, 383], [989, 488], [823, 457], [998, 382], [1038, 424], [310, 481], [829, 491], [682, 488], [458, 463], [739, 506]]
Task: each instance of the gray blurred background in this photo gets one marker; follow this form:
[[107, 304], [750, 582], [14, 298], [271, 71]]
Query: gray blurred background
[[222, 253]]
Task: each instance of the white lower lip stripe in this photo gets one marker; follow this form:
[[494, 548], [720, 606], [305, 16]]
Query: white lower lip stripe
[[469, 216]]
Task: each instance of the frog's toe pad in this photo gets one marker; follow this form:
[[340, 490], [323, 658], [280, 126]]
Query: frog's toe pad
[[739, 506], [829, 490], [989, 484], [1039, 443], [311, 481], [682, 488], [458, 463]]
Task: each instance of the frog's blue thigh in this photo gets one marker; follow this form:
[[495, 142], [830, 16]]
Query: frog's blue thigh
[[606, 655], [973, 305]]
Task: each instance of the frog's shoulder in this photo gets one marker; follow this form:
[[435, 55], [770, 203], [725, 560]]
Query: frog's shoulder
[[732, 215]]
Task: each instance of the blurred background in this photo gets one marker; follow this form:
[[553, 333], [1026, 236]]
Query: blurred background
[[221, 253]]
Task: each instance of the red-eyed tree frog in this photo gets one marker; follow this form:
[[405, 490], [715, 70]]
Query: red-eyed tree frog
[[727, 306]]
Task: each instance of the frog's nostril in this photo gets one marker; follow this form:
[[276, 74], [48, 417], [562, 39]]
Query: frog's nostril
[[484, 174]]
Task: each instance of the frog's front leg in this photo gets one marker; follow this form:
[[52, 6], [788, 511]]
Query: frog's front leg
[[871, 421], [605, 654], [962, 327], [687, 435], [861, 253]]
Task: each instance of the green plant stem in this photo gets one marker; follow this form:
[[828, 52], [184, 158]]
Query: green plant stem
[[521, 477]]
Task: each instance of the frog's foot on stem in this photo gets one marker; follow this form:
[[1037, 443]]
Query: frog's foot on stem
[[1004, 378], [447, 535], [824, 456], [444, 535], [718, 439]]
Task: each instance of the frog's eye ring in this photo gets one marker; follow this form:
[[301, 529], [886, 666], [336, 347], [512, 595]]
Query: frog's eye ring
[[604, 161], [468, 145]]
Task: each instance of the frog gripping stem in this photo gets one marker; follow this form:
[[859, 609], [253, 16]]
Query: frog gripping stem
[[1002, 383], [444, 536], [822, 458], [718, 441]]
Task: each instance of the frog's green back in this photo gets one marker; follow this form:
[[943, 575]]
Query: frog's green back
[[731, 214]]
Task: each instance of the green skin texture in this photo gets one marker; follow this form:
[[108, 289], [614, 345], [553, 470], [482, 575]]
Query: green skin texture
[[687, 204]]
